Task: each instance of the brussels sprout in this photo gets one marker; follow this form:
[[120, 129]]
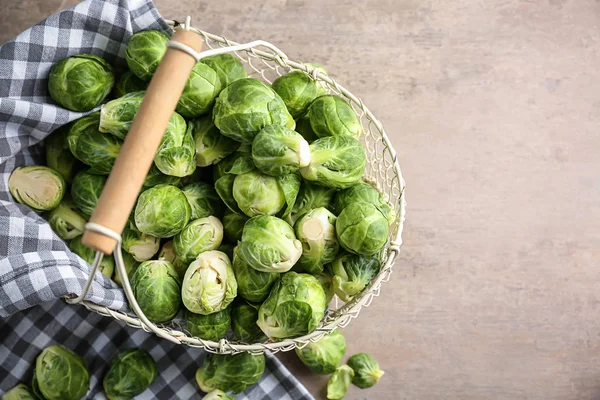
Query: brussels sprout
[[80, 82], [339, 382], [243, 323], [209, 284], [325, 278], [295, 307], [309, 197], [233, 225], [198, 236], [36, 186], [230, 372], [141, 246], [366, 370], [107, 265], [352, 273], [176, 153], [86, 190], [61, 374], [217, 395], [203, 199], [257, 194], [246, 106], [96, 149], [157, 289], [58, 155], [131, 265], [117, 115], [127, 83], [330, 115], [316, 231], [162, 211], [253, 285], [324, 355], [209, 327], [303, 127], [228, 68], [200, 92], [130, 373], [155, 177], [297, 91], [335, 161], [65, 220], [236, 164], [144, 52], [211, 146], [277, 150], [362, 229], [227, 249], [362, 192], [19, 392], [269, 245], [167, 253]]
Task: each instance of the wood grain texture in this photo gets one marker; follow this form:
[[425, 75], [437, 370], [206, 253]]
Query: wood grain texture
[[494, 108]]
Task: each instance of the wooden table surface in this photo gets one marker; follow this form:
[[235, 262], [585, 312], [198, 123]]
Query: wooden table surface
[[494, 109]]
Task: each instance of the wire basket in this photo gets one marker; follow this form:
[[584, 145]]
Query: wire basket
[[267, 62]]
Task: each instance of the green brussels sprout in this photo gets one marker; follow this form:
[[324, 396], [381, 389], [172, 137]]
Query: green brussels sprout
[[269, 244], [253, 285], [61, 374], [209, 327], [227, 249], [277, 150], [233, 225], [176, 153], [325, 278], [362, 229], [130, 373], [162, 211], [321, 85], [127, 83], [294, 308], [117, 115], [131, 265], [200, 91], [339, 382], [303, 127], [211, 146], [363, 192], [167, 253], [246, 106], [335, 161], [228, 68], [86, 190], [203, 200], [140, 245], [325, 355], [107, 265], [155, 177], [198, 236], [366, 370], [297, 90], [352, 273], [209, 284], [35, 387], [330, 115], [19, 392], [80, 82], [243, 323], [257, 194], [236, 164], [58, 155], [157, 289], [316, 231], [230, 372], [309, 197], [96, 149], [217, 395], [36, 186], [144, 52], [65, 220]]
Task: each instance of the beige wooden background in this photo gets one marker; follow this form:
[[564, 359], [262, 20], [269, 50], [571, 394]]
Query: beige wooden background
[[494, 109]]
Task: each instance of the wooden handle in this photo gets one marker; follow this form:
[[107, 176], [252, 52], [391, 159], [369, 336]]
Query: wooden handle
[[137, 153]]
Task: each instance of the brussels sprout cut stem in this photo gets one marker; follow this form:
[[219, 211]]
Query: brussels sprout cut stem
[[36, 186], [316, 231], [277, 151]]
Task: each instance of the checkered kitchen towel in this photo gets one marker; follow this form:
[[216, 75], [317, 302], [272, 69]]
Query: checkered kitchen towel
[[36, 267]]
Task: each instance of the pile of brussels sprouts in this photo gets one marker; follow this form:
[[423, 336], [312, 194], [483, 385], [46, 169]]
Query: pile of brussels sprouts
[[254, 213]]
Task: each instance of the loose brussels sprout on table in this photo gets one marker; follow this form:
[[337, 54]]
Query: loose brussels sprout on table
[[243, 323], [19, 392], [209, 284], [200, 92], [209, 327], [310, 196], [297, 90], [61, 374], [362, 229], [203, 200], [86, 190], [117, 115], [36, 186], [176, 153], [278, 150], [130, 373], [330, 115], [228, 68], [145, 50], [211, 145], [230, 372], [107, 265], [366, 370], [339, 382], [324, 355], [130, 264], [127, 83], [233, 225], [157, 289], [253, 285], [316, 231], [65, 220], [217, 395], [162, 211], [352, 273], [140, 245], [198, 236], [80, 82], [363, 192], [156, 177], [294, 307], [58, 154]]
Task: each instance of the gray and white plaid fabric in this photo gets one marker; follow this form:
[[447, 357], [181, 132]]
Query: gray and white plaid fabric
[[36, 266]]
